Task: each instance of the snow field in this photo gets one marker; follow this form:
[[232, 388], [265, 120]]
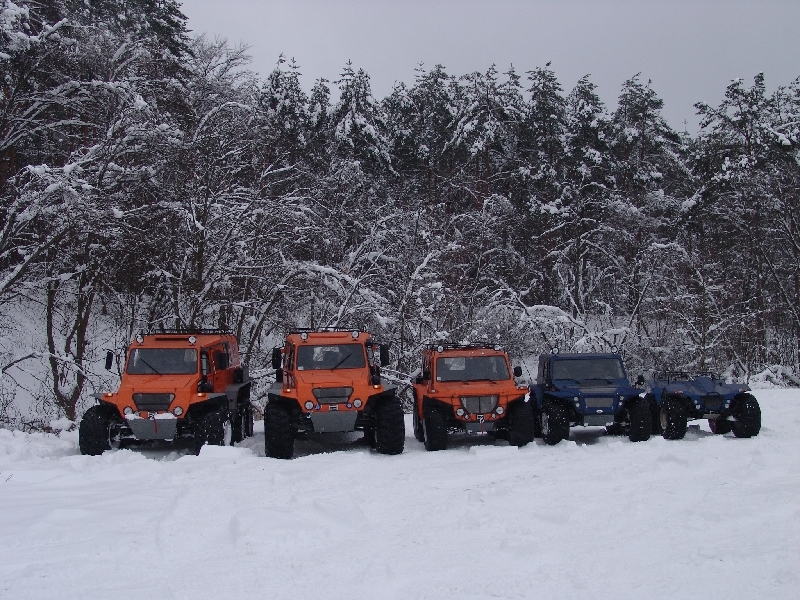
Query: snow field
[[597, 516]]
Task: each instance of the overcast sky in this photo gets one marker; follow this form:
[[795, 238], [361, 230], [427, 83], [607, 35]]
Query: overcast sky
[[691, 50]]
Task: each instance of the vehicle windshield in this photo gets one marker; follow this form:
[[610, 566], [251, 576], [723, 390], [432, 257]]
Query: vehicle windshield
[[340, 356], [588, 369], [162, 361], [471, 368]]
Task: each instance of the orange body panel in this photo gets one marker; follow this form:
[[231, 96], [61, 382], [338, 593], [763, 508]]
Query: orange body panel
[[451, 392], [184, 387], [299, 384]]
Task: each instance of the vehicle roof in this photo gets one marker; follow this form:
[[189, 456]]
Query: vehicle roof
[[327, 337], [574, 355], [160, 340], [473, 351]]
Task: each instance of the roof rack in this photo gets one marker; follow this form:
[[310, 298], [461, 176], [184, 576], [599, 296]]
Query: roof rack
[[454, 346], [189, 331], [323, 330]]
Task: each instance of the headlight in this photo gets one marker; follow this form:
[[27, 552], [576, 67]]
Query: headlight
[[309, 405], [128, 410], [460, 411], [357, 402], [177, 411], [499, 410]]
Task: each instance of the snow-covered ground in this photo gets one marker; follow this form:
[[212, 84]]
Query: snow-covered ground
[[596, 517]]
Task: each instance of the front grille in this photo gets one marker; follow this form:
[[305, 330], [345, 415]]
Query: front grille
[[713, 403], [332, 395], [153, 402], [477, 405], [599, 402]]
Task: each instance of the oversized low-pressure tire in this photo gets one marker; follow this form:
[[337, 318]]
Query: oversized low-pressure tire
[[96, 431], [748, 416], [555, 423], [419, 432], [655, 421], [390, 426], [720, 426], [278, 431], [672, 416], [435, 428], [640, 420], [214, 428], [243, 424], [521, 423]]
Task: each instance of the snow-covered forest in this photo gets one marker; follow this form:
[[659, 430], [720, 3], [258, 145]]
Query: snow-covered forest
[[149, 180]]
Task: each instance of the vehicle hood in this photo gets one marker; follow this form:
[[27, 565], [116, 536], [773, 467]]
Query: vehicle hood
[[158, 383], [327, 378]]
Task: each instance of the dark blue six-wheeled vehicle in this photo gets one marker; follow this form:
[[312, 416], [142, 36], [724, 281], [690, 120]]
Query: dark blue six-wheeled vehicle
[[587, 389], [676, 397]]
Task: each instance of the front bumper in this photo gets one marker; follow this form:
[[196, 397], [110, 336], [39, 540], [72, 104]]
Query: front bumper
[[158, 427]]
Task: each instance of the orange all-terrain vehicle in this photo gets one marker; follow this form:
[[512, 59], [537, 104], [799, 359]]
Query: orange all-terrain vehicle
[[469, 388], [330, 380], [174, 385]]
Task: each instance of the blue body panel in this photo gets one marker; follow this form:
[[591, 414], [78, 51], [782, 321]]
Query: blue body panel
[[598, 398], [706, 393]]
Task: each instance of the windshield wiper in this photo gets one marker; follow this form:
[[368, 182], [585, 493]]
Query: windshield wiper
[[341, 361], [599, 379], [152, 368]]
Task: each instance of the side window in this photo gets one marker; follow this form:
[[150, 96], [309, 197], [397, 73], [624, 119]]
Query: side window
[[233, 354], [219, 356], [288, 358]]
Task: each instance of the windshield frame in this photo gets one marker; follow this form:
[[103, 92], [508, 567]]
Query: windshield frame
[[621, 374], [356, 360], [497, 358], [154, 365]]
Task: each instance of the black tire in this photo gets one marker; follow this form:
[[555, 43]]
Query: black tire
[[435, 428], [369, 437], [243, 424], [537, 423], [278, 431], [640, 420], [213, 429], [390, 426], [720, 426], [521, 424], [655, 421], [748, 416], [419, 432], [672, 416], [96, 431], [555, 423]]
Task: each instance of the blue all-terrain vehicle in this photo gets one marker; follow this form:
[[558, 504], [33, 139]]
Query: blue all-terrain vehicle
[[676, 397], [587, 389]]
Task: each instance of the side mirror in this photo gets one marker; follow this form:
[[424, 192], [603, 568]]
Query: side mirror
[[517, 371], [204, 366], [276, 358], [384, 355], [109, 360], [426, 375], [640, 381]]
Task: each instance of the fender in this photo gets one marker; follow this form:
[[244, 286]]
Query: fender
[[537, 395]]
